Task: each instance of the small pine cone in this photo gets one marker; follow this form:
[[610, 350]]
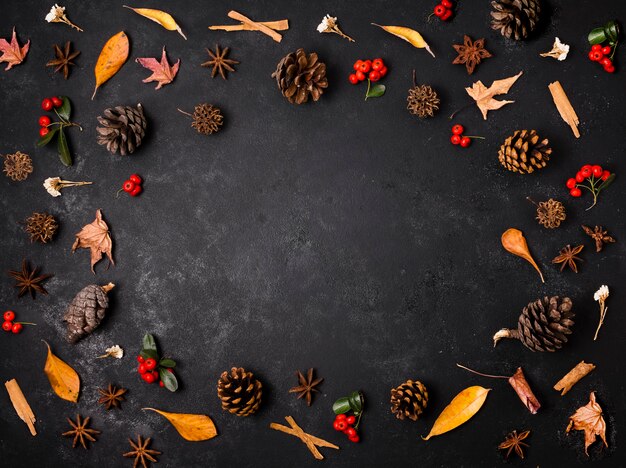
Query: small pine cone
[[422, 101], [543, 325], [300, 75], [524, 152], [122, 129], [18, 166], [207, 119], [86, 311], [239, 391], [409, 400], [551, 213], [41, 227], [515, 19]]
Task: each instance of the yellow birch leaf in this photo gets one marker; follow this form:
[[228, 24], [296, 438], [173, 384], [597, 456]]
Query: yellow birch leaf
[[63, 379], [410, 35], [161, 17], [112, 57], [465, 405], [193, 427]]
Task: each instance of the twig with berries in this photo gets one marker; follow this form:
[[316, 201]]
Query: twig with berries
[[132, 186], [597, 180], [153, 368], [443, 10], [458, 138], [348, 424], [373, 70], [603, 54], [10, 326], [49, 130]]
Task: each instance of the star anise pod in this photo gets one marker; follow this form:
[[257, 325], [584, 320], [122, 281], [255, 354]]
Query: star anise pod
[[599, 235], [470, 53], [111, 397], [307, 386], [63, 59], [141, 452], [567, 256], [219, 62], [27, 280], [80, 432], [514, 442]]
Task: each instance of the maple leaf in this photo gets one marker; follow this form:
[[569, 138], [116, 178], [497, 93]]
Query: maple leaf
[[95, 236], [589, 418], [12, 53], [484, 96], [161, 71]]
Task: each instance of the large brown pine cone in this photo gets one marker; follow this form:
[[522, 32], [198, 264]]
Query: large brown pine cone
[[299, 75], [524, 152], [239, 391], [409, 400], [515, 19], [543, 325], [86, 311], [122, 129]]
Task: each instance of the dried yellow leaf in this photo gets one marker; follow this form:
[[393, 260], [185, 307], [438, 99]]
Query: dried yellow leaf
[[112, 57], [63, 379], [410, 35], [161, 17], [193, 427]]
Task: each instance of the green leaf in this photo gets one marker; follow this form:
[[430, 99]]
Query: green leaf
[[356, 402], [168, 379], [341, 406], [66, 108], [376, 90], [611, 31], [607, 182], [149, 343], [596, 36], [165, 362], [63, 149], [44, 140], [149, 353]]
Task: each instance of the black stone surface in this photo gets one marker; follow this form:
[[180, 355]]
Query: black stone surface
[[345, 235]]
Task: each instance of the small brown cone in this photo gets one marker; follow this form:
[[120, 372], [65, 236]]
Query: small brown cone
[[409, 400], [515, 19], [239, 391], [300, 75], [86, 311], [524, 152], [122, 129]]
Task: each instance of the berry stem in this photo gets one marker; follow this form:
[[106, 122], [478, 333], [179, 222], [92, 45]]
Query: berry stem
[[460, 109], [26, 323], [481, 374], [183, 112], [358, 420], [369, 83], [474, 136], [614, 49]]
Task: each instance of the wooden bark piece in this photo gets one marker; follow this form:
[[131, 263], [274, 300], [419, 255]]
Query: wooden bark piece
[[572, 377], [310, 441], [281, 25], [22, 408], [257, 26], [568, 114]]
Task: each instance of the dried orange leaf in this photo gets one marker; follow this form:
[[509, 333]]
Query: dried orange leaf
[[410, 35], [162, 72], [12, 53], [589, 418], [514, 242], [193, 427], [95, 236], [63, 379], [465, 405], [161, 17], [112, 57], [484, 96]]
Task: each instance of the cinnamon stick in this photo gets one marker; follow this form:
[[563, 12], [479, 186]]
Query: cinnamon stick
[[257, 26], [281, 25], [568, 114], [572, 377], [22, 408], [309, 440]]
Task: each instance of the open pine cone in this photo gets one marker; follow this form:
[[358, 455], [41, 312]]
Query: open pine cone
[[122, 129], [515, 19], [524, 152], [207, 119], [41, 227], [239, 391], [86, 311], [300, 75], [18, 166], [409, 400]]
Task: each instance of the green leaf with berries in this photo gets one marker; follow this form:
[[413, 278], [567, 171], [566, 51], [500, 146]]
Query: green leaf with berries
[[609, 32], [63, 149], [149, 353], [47, 138], [168, 379], [341, 406], [607, 182], [166, 362], [149, 343], [65, 110], [374, 91]]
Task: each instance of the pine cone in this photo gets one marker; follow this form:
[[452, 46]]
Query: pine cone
[[17, 166], [41, 227], [515, 18], [409, 400], [239, 391], [123, 129], [550, 213], [523, 152], [299, 75], [86, 311], [207, 119], [543, 325], [422, 101]]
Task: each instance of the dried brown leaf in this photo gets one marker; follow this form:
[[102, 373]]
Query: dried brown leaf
[[95, 236], [484, 96], [589, 418]]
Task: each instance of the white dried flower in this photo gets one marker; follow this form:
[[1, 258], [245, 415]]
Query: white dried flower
[[601, 294], [57, 15], [329, 25], [559, 50], [54, 185], [115, 351]]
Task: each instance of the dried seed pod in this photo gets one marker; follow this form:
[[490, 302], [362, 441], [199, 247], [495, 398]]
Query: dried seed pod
[[422, 100], [550, 214], [41, 227]]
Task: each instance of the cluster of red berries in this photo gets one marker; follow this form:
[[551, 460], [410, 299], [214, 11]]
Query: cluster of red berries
[[603, 56], [592, 173], [10, 326], [147, 369], [373, 70], [458, 138], [44, 121], [443, 10], [345, 424], [132, 185]]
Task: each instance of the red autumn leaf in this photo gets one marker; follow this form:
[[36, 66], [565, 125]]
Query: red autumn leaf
[[11, 52], [161, 71], [95, 236], [589, 418]]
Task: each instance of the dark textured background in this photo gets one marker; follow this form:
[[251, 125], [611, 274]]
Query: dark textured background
[[345, 235]]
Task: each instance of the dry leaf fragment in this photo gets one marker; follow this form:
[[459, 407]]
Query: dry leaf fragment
[[514, 242], [162, 72], [310, 441], [22, 408], [572, 377], [484, 96], [410, 35], [95, 236], [193, 427], [462, 407], [112, 57], [161, 17], [589, 418], [12, 53], [63, 379]]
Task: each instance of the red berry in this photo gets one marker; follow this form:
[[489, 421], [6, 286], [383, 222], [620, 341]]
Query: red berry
[[374, 76], [140, 359], [579, 177], [148, 377], [57, 102], [155, 374], [136, 191], [447, 3], [360, 75], [606, 50], [17, 328], [353, 79], [46, 104], [605, 175], [377, 64], [596, 55], [439, 11], [606, 62], [351, 432], [586, 171], [7, 325], [150, 364], [571, 183], [135, 178], [383, 71], [351, 420], [336, 425], [596, 47], [365, 67], [354, 439], [341, 417], [342, 425], [161, 384], [43, 131], [357, 64], [9, 315], [610, 69], [170, 370], [128, 186], [465, 142], [458, 129], [575, 192], [44, 121], [142, 368], [447, 15], [596, 171], [455, 139]]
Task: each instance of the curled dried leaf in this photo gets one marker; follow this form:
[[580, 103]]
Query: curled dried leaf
[[572, 377]]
